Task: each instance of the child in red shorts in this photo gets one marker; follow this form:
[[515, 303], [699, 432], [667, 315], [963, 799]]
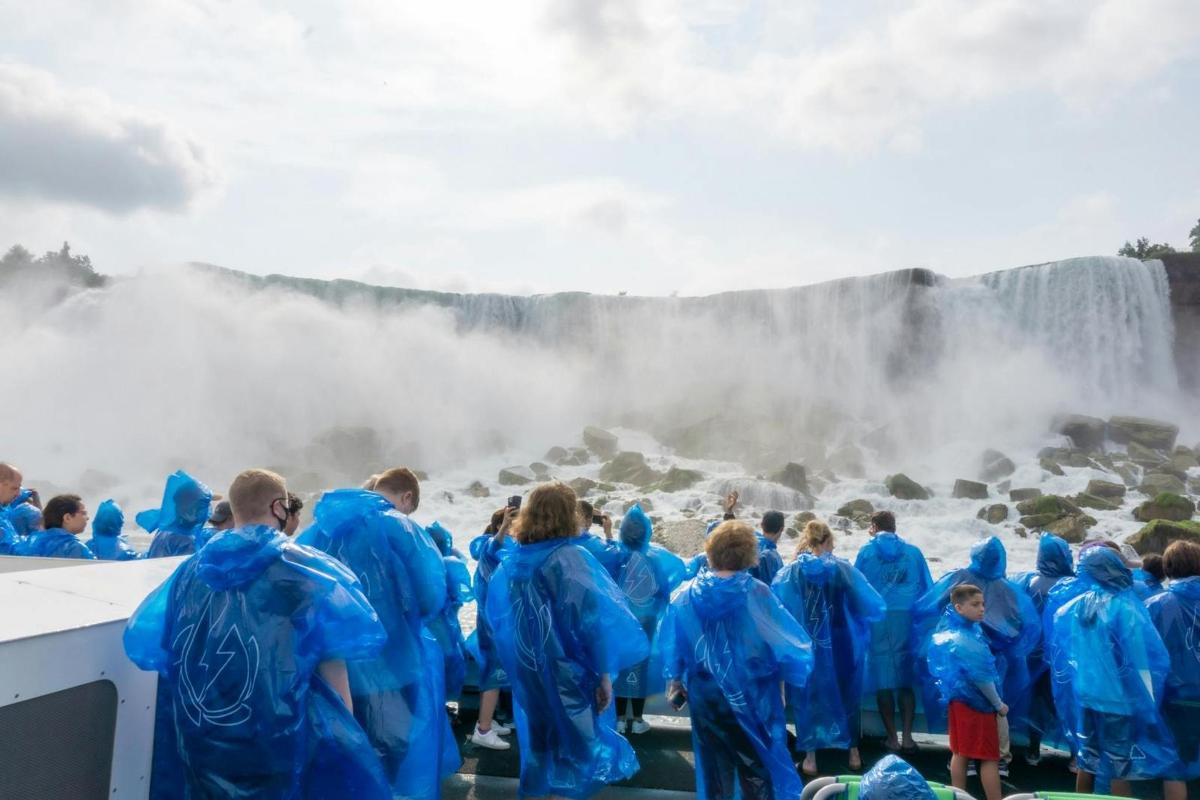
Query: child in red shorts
[[965, 670]]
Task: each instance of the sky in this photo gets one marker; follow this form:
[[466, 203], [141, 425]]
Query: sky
[[640, 146]]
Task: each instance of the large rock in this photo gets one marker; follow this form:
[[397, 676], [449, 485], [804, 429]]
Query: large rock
[[630, 467], [1128, 473], [994, 465], [1108, 489], [802, 519], [1183, 458], [857, 509], [792, 476], [576, 457], [1086, 433], [540, 470], [1085, 500], [477, 489], [905, 488], [1156, 483], [765, 495], [1035, 522], [600, 441], [1155, 537], [994, 514], [582, 486], [516, 476], [684, 537], [1144, 456], [677, 479], [1050, 466], [973, 490], [1165, 506], [1152, 433], [556, 455], [1017, 495], [1073, 527], [1048, 504]]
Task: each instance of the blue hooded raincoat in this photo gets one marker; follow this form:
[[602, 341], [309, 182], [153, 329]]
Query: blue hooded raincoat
[[893, 778], [236, 635], [647, 574], [107, 542], [8, 537], [898, 571], [54, 543], [184, 512], [960, 658], [481, 644], [560, 623], [1054, 564], [1176, 616], [836, 606], [399, 695], [1145, 585], [731, 642], [24, 517], [1109, 666], [446, 628], [769, 560], [1010, 623]]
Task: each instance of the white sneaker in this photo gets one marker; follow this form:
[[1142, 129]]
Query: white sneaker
[[639, 726], [500, 729], [490, 740]]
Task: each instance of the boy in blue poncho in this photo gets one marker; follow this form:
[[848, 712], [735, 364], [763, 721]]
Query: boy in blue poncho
[[647, 574], [898, 571], [1054, 564], [65, 517], [836, 605], [1109, 665], [603, 550], [727, 644], [1176, 616], [769, 560], [250, 640], [563, 630], [1011, 624], [18, 506], [176, 523], [1148, 578], [107, 542], [399, 695], [964, 671], [489, 549]]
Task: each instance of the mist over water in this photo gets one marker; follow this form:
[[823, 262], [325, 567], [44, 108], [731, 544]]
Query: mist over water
[[212, 372]]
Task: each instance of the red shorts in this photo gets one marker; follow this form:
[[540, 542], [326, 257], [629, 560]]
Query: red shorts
[[973, 734]]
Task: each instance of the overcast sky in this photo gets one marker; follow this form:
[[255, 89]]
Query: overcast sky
[[601, 145]]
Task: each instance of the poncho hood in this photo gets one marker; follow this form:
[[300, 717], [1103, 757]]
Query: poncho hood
[[235, 557], [714, 597], [817, 569], [109, 519], [1186, 587], [989, 559], [894, 779], [1104, 568], [340, 511], [889, 546], [636, 529], [1054, 557], [184, 509]]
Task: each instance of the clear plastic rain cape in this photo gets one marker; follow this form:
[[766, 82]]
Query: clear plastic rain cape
[[182, 515], [561, 622], [836, 606], [107, 542], [732, 642]]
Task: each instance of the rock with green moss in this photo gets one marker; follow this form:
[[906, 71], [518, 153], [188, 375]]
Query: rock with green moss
[[1151, 433], [1155, 537], [1107, 489], [1167, 506], [903, 487], [1047, 504], [677, 479], [1073, 527], [1156, 483], [1036, 522], [994, 514]]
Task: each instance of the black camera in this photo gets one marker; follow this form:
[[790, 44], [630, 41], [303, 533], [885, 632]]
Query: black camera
[[597, 519], [514, 501]]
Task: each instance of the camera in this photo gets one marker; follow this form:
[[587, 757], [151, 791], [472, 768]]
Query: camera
[[514, 501], [597, 519]]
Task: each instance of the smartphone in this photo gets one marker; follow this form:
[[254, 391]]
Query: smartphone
[[514, 501], [597, 519], [678, 700]]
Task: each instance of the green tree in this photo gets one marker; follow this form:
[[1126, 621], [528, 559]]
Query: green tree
[[1144, 250], [1195, 234]]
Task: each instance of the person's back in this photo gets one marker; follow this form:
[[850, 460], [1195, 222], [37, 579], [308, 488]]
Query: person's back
[[727, 645], [182, 515], [1109, 665], [107, 542], [404, 578], [265, 724]]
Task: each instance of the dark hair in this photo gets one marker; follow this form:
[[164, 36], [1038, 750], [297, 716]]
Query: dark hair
[[1182, 560], [497, 521], [964, 592], [728, 516], [772, 522], [548, 513], [58, 507], [731, 546], [884, 521], [1153, 564], [585, 509]]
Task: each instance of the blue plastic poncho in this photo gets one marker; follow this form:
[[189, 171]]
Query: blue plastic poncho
[[24, 517], [236, 635], [1145, 585], [8, 537], [700, 560], [1175, 614], [1109, 666], [1054, 564], [560, 623], [836, 606], [960, 659], [446, 628], [731, 642], [647, 574], [898, 571], [54, 543], [1010, 622], [107, 542], [404, 578], [893, 778], [769, 560], [183, 513], [481, 644], [608, 553]]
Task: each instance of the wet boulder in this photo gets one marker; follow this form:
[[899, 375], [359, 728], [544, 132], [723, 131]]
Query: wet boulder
[[1085, 500], [582, 486], [1086, 433], [516, 476], [973, 490], [792, 476], [1152, 433], [477, 489], [994, 465], [1155, 537], [630, 467], [556, 455], [994, 514], [903, 487], [1107, 489], [1017, 495], [677, 479], [1156, 483], [1166, 506], [600, 441]]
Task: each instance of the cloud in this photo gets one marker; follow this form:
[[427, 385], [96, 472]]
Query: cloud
[[79, 147]]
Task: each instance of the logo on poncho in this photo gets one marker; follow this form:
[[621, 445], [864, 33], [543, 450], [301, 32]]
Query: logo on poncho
[[218, 668], [533, 624], [638, 582]]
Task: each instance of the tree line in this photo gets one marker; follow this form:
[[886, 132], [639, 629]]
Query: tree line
[[1143, 248]]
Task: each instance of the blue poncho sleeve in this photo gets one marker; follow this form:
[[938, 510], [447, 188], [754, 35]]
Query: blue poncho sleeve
[[147, 627], [694, 564]]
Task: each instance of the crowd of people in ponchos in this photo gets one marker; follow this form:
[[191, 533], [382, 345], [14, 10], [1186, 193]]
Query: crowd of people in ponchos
[[320, 665]]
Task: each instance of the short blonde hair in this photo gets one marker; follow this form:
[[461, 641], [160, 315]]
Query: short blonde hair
[[816, 533], [731, 546], [548, 513], [397, 481], [253, 491]]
